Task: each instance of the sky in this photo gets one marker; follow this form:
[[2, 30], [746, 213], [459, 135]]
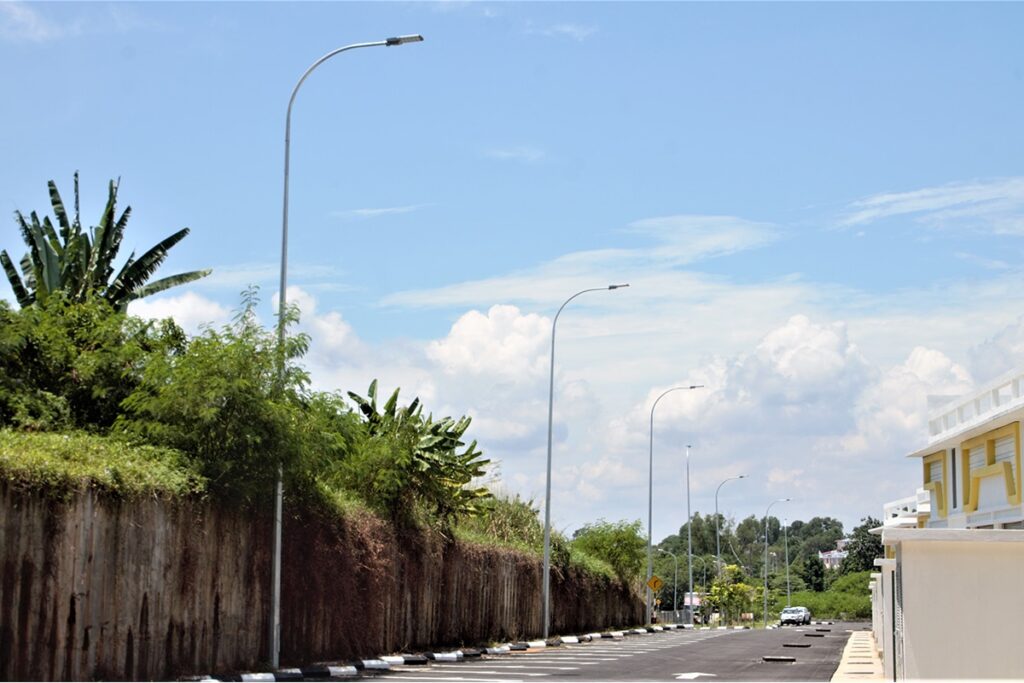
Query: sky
[[818, 207]]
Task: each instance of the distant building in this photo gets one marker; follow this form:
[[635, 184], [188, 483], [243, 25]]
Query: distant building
[[833, 558]]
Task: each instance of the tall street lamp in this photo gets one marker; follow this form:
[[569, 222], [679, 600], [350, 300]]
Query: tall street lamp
[[650, 490], [546, 593], [718, 540], [675, 580], [275, 586], [689, 536], [785, 536], [780, 500]]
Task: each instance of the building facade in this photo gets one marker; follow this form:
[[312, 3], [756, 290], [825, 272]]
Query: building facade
[[947, 599]]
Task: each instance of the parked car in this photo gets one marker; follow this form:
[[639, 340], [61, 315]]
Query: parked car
[[795, 615]]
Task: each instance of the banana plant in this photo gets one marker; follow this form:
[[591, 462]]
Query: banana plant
[[438, 473], [80, 263]]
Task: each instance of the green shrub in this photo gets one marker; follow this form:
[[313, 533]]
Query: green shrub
[[619, 544], [221, 402]]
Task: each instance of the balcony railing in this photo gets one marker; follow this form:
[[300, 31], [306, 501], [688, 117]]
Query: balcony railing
[[962, 413]]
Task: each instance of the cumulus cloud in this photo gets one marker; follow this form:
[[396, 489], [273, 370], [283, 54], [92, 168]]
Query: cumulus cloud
[[798, 409], [891, 413], [190, 310], [502, 343], [1000, 353]]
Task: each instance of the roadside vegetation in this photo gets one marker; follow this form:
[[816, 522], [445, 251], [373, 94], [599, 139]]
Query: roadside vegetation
[[837, 593], [91, 397]]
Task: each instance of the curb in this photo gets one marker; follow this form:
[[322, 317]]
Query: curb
[[386, 662]]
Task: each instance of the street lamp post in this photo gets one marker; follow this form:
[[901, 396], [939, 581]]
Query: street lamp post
[[675, 581], [546, 591], [718, 540], [785, 536], [275, 586], [780, 500], [689, 536], [650, 489]]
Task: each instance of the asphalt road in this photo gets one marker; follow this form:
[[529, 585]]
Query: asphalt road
[[712, 655]]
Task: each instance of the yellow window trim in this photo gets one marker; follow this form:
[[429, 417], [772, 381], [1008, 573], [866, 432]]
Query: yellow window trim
[[937, 487], [972, 478]]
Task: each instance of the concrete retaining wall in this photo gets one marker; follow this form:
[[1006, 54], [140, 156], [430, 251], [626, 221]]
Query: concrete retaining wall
[[152, 589]]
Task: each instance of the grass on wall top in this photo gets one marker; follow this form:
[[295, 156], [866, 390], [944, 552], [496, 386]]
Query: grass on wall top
[[58, 465]]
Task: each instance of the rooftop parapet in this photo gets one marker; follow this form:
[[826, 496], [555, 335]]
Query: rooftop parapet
[[989, 401]]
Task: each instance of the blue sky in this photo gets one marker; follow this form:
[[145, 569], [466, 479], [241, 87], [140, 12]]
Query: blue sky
[[819, 208]]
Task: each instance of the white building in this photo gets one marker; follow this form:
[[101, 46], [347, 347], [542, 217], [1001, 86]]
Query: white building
[[833, 558], [948, 599], [971, 466]]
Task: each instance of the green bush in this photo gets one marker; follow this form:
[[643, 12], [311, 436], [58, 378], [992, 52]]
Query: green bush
[[619, 544]]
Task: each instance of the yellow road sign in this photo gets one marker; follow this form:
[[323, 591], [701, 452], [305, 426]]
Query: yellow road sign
[[655, 583]]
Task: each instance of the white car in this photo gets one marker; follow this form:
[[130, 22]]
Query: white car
[[795, 615]]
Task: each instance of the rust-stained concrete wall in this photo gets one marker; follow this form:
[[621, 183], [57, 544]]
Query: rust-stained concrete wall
[[154, 589]]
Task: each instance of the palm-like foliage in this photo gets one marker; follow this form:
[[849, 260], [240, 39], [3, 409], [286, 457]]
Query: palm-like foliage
[[81, 264], [436, 472]]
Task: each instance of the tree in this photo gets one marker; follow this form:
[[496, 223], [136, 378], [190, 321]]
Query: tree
[[812, 571], [864, 547], [729, 594], [70, 365], [81, 264], [620, 544]]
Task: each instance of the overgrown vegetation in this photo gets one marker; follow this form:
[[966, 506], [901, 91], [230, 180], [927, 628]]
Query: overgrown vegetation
[[847, 598]]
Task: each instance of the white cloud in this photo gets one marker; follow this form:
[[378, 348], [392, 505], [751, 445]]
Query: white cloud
[[891, 413], [989, 205], [503, 343], [190, 310], [39, 22], [981, 261], [653, 270], [526, 154], [999, 353], [577, 32], [378, 212], [20, 21]]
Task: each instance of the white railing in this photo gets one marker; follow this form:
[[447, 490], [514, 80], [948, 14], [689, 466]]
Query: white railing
[[962, 413], [903, 512]]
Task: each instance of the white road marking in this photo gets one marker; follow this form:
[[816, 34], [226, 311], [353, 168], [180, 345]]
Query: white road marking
[[455, 678]]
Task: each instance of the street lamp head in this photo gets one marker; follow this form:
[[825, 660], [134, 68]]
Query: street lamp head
[[741, 476], [402, 40], [696, 386], [617, 286]]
